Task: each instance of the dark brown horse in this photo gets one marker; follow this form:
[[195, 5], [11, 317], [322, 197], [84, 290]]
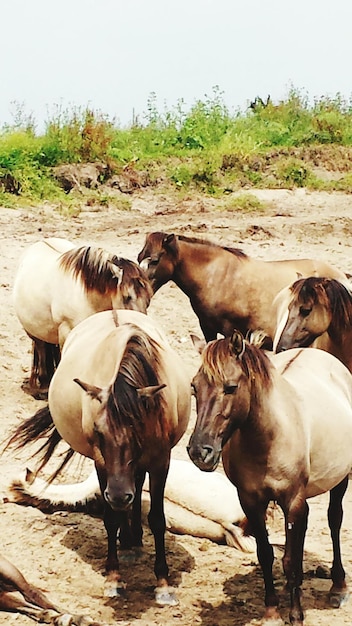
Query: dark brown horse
[[284, 430], [316, 312], [227, 289], [120, 396], [57, 285], [17, 595]]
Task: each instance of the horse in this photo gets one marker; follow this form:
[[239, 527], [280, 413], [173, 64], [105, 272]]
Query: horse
[[283, 426], [227, 289], [316, 312], [57, 285], [196, 504], [120, 396], [19, 596]]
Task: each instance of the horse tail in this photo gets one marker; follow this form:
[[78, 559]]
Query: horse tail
[[29, 490], [34, 428]]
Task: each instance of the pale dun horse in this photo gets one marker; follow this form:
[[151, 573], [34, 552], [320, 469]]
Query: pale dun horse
[[59, 284], [120, 396], [284, 429]]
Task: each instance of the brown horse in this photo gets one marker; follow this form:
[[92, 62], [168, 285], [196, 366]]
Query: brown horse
[[227, 289], [57, 285], [284, 429], [120, 396], [17, 595], [316, 312]]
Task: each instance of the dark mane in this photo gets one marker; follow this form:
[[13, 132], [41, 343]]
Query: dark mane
[[139, 367], [236, 251], [254, 362], [133, 274], [328, 292], [93, 267]]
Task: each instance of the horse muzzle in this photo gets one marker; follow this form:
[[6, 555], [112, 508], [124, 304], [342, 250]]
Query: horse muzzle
[[206, 457], [119, 501]]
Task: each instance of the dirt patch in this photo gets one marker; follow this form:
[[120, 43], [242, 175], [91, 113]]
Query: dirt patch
[[64, 553]]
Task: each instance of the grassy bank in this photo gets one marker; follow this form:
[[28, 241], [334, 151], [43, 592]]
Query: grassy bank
[[293, 143]]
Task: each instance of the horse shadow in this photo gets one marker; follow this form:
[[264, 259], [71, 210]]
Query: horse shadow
[[86, 536], [244, 604]]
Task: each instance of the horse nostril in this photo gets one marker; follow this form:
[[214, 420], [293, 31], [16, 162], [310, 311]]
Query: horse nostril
[[205, 452], [129, 497]]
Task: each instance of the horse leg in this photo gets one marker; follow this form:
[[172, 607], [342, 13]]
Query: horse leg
[[20, 596], [113, 520], [45, 358], [131, 531], [12, 602], [256, 518], [164, 595], [338, 594], [296, 519], [136, 521], [208, 331]]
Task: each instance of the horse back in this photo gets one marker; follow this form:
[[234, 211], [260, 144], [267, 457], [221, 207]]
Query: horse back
[[322, 388]]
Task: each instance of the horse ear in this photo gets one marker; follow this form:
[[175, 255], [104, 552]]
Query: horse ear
[[93, 391], [198, 343], [170, 241], [237, 343], [117, 272], [148, 392]]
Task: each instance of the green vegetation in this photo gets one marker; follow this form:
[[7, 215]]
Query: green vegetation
[[290, 144]]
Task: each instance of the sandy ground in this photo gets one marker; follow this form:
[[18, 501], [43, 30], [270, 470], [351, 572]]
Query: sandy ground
[[64, 553]]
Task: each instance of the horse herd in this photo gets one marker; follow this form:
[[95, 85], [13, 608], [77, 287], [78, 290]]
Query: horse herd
[[119, 394]]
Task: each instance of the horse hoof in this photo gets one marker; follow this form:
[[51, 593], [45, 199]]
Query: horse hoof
[[114, 589], [337, 599], [165, 596]]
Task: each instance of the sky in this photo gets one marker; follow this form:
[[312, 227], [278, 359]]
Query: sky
[[110, 55]]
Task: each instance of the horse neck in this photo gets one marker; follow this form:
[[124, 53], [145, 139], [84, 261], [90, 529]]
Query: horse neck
[[339, 344], [266, 414], [99, 302], [192, 265]]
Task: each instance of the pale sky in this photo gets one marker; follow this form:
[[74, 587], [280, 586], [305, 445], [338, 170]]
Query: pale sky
[[111, 54]]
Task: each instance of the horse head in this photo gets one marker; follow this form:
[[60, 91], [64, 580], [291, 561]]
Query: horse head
[[222, 387], [118, 419], [134, 290], [158, 258], [308, 313]]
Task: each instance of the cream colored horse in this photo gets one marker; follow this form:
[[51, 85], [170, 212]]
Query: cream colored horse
[[196, 503], [57, 285]]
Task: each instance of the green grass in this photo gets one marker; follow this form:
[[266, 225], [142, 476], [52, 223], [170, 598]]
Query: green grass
[[206, 147]]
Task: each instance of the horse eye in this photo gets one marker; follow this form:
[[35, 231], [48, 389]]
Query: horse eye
[[305, 311], [229, 389], [153, 262], [193, 389]]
